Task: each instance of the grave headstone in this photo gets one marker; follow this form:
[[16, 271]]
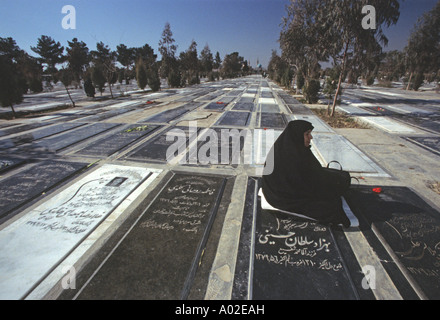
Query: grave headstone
[[216, 106], [68, 139], [37, 135], [283, 257], [155, 149], [410, 230], [109, 145], [431, 144], [232, 118], [160, 256], [35, 244], [272, 120], [30, 183], [244, 106]]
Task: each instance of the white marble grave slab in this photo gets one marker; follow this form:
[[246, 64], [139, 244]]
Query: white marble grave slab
[[248, 95], [124, 104], [267, 101], [35, 244], [333, 147], [354, 110], [318, 124], [387, 124]]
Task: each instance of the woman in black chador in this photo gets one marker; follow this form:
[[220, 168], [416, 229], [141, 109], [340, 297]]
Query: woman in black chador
[[297, 182]]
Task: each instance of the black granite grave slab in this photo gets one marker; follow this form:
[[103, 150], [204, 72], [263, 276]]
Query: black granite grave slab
[[172, 114], [266, 94], [37, 135], [272, 120], [232, 118], [431, 144], [244, 106], [68, 139], [167, 247], [9, 163], [20, 128], [109, 145], [219, 146], [269, 108], [22, 187], [286, 258], [107, 114], [408, 228], [288, 99], [155, 150], [246, 100], [216, 106]]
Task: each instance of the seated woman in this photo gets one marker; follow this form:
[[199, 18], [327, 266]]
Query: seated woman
[[297, 182]]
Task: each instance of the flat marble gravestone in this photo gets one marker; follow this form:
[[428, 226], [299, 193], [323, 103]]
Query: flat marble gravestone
[[232, 118], [244, 106], [37, 134], [172, 114], [214, 106], [68, 139], [9, 163], [160, 255], [28, 184], [410, 228], [283, 257], [109, 145], [272, 120], [35, 244], [156, 149], [429, 143]]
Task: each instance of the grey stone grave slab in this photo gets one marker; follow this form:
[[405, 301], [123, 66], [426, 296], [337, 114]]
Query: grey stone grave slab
[[218, 146], [288, 99], [172, 114], [431, 123], [21, 128], [216, 106], [20, 188], [155, 150], [266, 94], [431, 144], [271, 120], [270, 108], [386, 124], [281, 257], [106, 115], [246, 100], [160, 256], [234, 118], [244, 106], [318, 124], [68, 139], [409, 230], [37, 135], [109, 145], [333, 147], [35, 244], [9, 163]]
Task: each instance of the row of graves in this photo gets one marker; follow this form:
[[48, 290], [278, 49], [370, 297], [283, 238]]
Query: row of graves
[[157, 197]]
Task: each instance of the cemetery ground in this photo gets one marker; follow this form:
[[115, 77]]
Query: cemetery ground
[[91, 207]]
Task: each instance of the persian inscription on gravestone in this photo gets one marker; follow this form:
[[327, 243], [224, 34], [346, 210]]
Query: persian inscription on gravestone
[[297, 259], [36, 243], [26, 185], [175, 228]]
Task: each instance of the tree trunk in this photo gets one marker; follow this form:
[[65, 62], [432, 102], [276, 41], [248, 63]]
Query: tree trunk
[[13, 112], [340, 79], [70, 97], [409, 81]]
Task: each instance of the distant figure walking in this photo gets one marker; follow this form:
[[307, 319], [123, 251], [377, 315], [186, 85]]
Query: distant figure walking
[[298, 182]]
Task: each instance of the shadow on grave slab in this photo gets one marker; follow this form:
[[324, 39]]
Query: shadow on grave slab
[[409, 230]]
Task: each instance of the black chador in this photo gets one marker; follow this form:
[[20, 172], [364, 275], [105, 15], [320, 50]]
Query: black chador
[[297, 182]]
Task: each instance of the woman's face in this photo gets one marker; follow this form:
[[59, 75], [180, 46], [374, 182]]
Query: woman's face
[[308, 138]]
